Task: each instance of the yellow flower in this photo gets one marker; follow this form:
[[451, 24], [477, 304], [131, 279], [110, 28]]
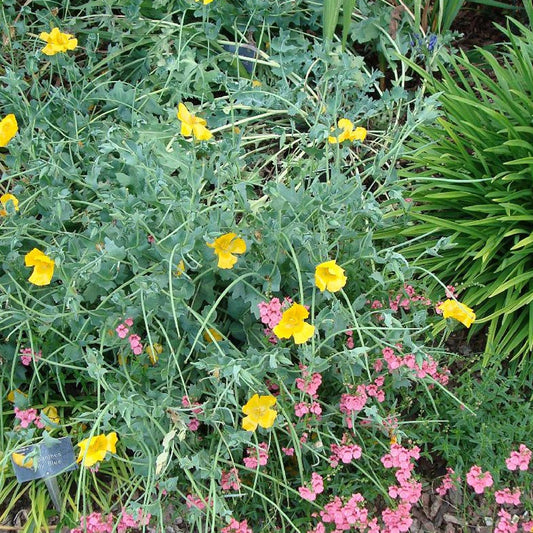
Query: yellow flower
[[20, 460], [225, 246], [292, 324], [51, 412], [4, 199], [8, 129], [153, 352], [256, 83], [57, 42], [330, 276], [212, 335], [43, 267], [205, 2], [11, 395], [348, 133], [94, 450], [459, 311], [259, 412], [180, 269], [191, 125]]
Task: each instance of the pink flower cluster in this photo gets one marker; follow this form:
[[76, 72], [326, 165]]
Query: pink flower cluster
[[344, 516], [303, 408], [349, 340], [408, 491], [343, 452], [194, 423], [134, 339], [97, 523], [317, 487], [505, 523], [230, 480], [237, 527], [446, 484], [192, 500], [256, 456], [27, 417], [479, 480], [429, 366], [507, 496], [27, 355], [520, 459], [309, 384], [270, 314]]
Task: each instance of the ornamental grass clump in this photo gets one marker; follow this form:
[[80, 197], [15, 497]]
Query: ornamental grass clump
[[470, 173]]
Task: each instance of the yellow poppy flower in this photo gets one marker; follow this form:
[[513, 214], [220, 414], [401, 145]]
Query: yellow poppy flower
[[292, 324], [205, 2], [259, 412], [212, 335], [330, 276], [153, 352], [20, 460], [11, 395], [43, 267], [192, 125], [57, 42], [461, 312], [4, 199], [51, 412], [225, 246], [180, 269], [94, 449], [8, 129], [348, 133]]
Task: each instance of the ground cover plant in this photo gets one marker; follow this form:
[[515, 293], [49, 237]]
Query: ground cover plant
[[190, 287]]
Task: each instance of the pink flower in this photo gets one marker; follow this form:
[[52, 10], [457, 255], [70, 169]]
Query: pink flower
[[135, 344], [446, 484], [506, 496], [505, 524], [193, 424], [320, 528], [236, 527], [26, 417], [399, 520], [301, 409], [27, 355], [270, 312], [307, 494], [479, 480], [194, 501], [353, 402], [128, 322], [122, 331], [230, 480], [519, 459], [289, 452], [308, 385], [96, 523], [257, 456]]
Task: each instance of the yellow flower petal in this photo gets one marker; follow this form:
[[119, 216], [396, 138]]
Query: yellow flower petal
[[292, 325], [225, 246], [330, 276], [94, 449], [8, 129], [458, 311], [4, 200], [20, 460], [192, 125], [57, 42], [43, 267], [258, 409]]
